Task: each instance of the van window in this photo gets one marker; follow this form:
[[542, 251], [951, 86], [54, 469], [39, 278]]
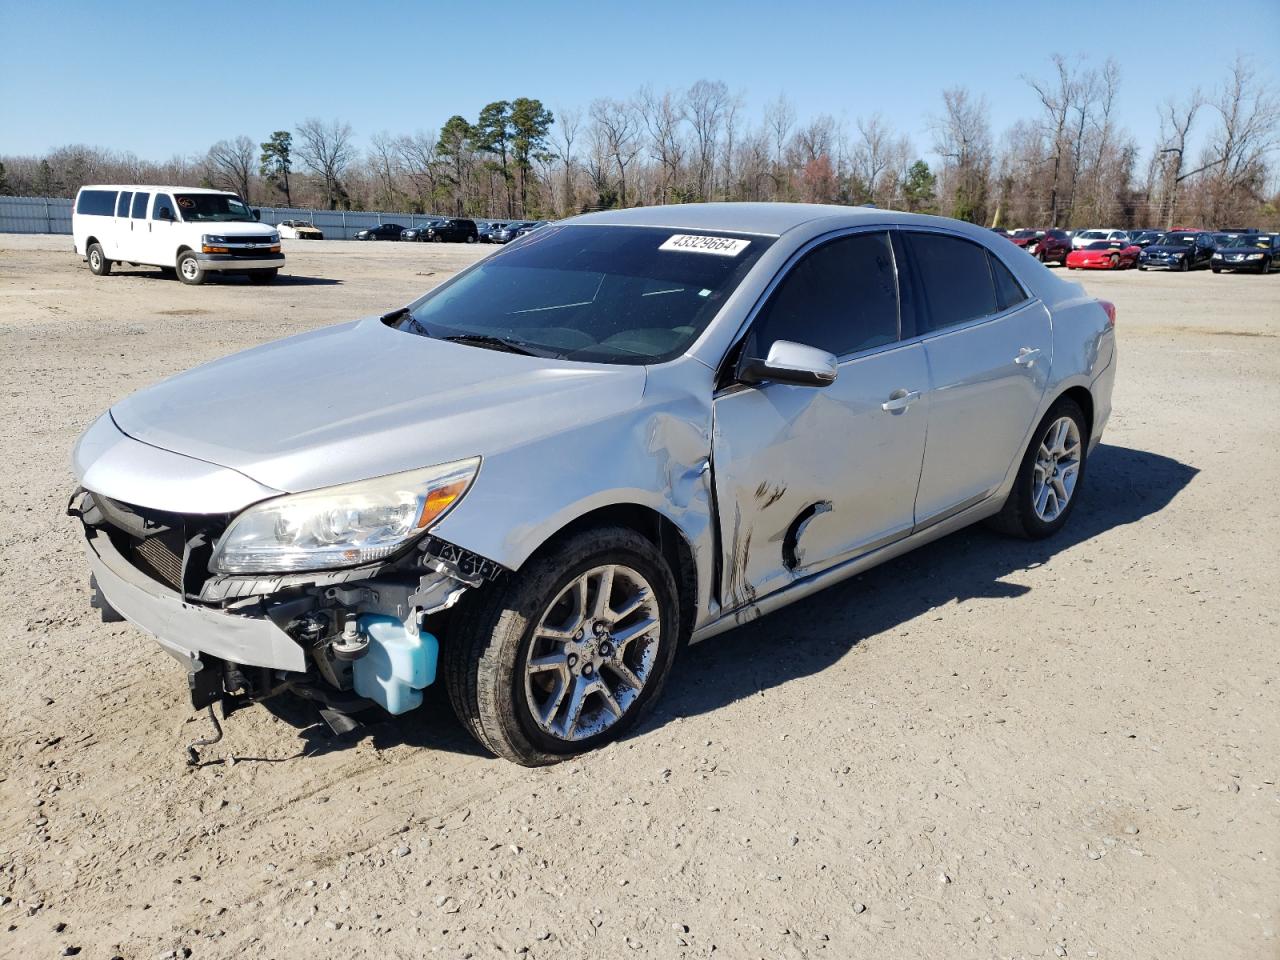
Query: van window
[[841, 297], [122, 206], [163, 200], [96, 203], [140, 205], [955, 277]]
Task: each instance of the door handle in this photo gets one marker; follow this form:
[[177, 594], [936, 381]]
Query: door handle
[[899, 400], [1027, 356]]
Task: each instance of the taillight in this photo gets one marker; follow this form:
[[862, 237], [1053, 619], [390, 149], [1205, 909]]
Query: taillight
[[1110, 307]]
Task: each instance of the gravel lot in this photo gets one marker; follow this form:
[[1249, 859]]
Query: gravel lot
[[984, 749]]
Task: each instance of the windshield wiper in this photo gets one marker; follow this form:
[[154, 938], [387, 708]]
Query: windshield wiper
[[492, 342], [404, 313]]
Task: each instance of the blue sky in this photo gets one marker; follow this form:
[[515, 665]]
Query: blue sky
[[160, 79]]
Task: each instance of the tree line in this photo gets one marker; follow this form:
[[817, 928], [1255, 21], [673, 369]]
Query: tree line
[[1069, 165]]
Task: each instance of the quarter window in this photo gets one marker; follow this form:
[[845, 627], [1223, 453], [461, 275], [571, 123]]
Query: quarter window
[[1008, 290], [140, 205], [122, 205], [955, 277], [841, 297]]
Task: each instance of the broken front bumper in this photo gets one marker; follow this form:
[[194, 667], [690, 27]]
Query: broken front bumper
[[186, 630]]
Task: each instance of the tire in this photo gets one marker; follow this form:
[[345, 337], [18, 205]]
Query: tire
[[1216, 269], [1115, 262], [99, 265], [189, 270], [493, 637], [263, 276], [1142, 267], [1185, 266], [1019, 516], [470, 239], [1266, 267]]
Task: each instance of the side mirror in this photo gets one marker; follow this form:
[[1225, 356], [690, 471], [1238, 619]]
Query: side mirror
[[257, 214], [792, 363], [164, 214]]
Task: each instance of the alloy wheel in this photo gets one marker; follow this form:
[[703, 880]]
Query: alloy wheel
[[1056, 470], [592, 653]]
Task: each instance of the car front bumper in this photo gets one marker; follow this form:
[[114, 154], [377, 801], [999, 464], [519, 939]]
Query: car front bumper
[[224, 261], [183, 629]]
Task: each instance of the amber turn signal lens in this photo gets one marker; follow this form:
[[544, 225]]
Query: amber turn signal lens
[[439, 499]]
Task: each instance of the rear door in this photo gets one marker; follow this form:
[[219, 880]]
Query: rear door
[[989, 346], [134, 232], [807, 477], [120, 226]]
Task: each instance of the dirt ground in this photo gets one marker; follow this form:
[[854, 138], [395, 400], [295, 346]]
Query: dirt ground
[[984, 749]]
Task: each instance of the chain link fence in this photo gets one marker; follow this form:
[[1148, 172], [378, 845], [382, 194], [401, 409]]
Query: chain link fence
[[53, 215]]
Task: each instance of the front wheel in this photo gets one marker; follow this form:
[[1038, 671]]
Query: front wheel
[[569, 652], [263, 276], [99, 265], [1216, 269], [189, 270], [1049, 477], [1186, 265]]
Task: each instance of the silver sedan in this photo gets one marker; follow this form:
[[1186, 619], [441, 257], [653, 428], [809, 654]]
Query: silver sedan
[[622, 433]]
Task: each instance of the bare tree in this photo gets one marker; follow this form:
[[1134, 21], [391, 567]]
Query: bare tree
[[420, 163], [564, 135], [617, 128], [1176, 121], [962, 137], [663, 118], [779, 118], [327, 150], [230, 165], [1248, 130], [707, 102], [385, 163]]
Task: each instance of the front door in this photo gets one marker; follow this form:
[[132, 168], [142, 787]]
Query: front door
[[989, 347], [806, 477]]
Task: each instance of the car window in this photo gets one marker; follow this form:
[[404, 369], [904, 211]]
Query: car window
[[96, 203], [140, 205], [122, 205], [955, 277], [841, 297], [1008, 291], [162, 200]]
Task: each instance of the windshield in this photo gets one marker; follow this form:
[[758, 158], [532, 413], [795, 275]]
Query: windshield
[[1102, 245], [626, 295], [1261, 243], [1173, 239], [200, 207], [1027, 234]]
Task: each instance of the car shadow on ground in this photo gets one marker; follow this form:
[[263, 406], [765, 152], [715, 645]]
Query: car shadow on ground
[[1124, 486]]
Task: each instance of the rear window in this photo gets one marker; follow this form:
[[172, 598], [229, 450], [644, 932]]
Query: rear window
[[628, 295], [955, 277], [96, 203], [122, 207]]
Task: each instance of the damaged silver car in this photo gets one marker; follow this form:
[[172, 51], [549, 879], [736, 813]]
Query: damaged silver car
[[620, 433]]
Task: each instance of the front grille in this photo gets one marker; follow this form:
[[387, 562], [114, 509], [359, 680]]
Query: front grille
[[161, 558], [232, 241]]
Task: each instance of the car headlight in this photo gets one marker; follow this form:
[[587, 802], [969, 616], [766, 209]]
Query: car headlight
[[1256, 256], [1217, 256], [214, 239], [341, 526], [275, 238]]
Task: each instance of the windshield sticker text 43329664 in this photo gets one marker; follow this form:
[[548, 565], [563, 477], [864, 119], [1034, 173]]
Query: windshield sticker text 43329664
[[720, 246]]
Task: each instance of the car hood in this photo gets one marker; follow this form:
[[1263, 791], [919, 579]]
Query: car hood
[[234, 228], [363, 400], [1169, 248]]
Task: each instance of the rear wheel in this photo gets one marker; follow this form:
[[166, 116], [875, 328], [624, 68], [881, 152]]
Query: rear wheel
[[189, 269], [569, 652], [1049, 477], [263, 276], [99, 265]]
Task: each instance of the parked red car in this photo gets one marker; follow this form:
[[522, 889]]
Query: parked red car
[[1053, 247], [1025, 238], [1104, 255]]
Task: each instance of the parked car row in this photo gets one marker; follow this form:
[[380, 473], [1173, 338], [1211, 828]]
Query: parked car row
[[1179, 249], [453, 230]]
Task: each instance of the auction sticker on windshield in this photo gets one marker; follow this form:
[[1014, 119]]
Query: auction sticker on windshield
[[720, 246]]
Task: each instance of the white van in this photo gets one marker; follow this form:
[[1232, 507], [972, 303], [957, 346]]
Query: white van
[[187, 229]]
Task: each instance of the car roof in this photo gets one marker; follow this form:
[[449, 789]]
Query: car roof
[[765, 219], [155, 187]]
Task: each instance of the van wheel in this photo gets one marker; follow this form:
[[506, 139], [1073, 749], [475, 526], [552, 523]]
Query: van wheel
[[569, 652], [1049, 477], [189, 270], [99, 265], [262, 276]]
